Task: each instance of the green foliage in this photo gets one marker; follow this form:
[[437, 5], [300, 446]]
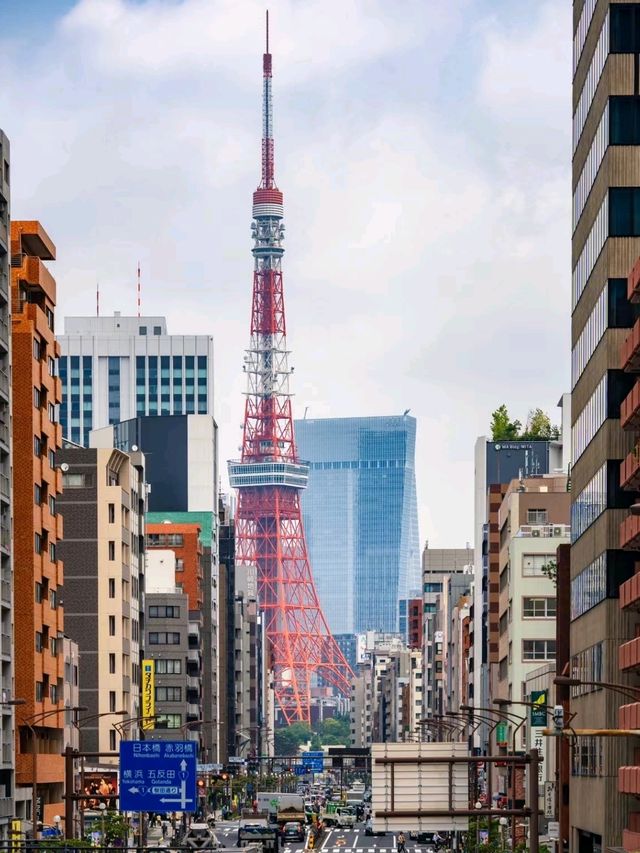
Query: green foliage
[[550, 569], [334, 731], [538, 427], [502, 427]]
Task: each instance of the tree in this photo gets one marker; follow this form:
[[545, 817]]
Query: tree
[[550, 569], [539, 426], [289, 738], [502, 427]]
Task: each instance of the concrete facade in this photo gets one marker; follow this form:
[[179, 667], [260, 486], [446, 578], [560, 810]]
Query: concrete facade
[[103, 507]]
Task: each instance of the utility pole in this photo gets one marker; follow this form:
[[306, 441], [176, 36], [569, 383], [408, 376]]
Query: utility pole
[[534, 803]]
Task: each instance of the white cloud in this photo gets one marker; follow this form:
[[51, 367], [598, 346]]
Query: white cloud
[[427, 212]]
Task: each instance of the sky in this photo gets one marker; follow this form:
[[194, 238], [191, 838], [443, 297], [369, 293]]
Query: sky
[[423, 147]]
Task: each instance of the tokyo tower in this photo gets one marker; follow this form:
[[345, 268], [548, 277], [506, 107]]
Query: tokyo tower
[[270, 476]]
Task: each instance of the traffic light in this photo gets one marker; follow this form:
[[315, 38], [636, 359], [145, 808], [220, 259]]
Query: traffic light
[[224, 777], [201, 787], [558, 717]]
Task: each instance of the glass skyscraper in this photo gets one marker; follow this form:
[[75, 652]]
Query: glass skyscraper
[[361, 518], [116, 368]]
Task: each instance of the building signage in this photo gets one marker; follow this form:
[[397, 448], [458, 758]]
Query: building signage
[[158, 776], [550, 800], [539, 709], [148, 693], [553, 830], [313, 762], [501, 733]]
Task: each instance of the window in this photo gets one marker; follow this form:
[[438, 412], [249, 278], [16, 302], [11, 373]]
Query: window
[[38, 641], [53, 646], [587, 666], [37, 543], [37, 447], [50, 318], [591, 166], [168, 667], [432, 587], [504, 623], [38, 349], [112, 740], [169, 721], [112, 587], [112, 626], [37, 398], [168, 694], [155, 540], [73, 481], [53, 693], [589, 420], [38, 594], [179, 564], [51, 455], [142, 330], [624, 111], [51, 363], [52, 505], [112, 513], [539, 608], [538, 649], [591, 83], [584, 22], [164, 638], [590, 253], [52, 552], [625, 28], [112, 663], [532, 564], [589, 504], [51, 412], [536, 516], [589, 587], [112, 550], [586, 757], [112, 700], [37, 494], [39, 691], [53, 599], [157, 330], [624, 211], [164, 612]]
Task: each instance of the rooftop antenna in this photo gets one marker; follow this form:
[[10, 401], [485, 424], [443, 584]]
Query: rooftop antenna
[[139, 296], [97, 297]]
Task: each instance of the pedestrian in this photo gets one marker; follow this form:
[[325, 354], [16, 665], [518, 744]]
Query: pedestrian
[[401, 843], [165, 828]]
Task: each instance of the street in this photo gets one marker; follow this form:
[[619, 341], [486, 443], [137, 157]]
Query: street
[[335, 840]]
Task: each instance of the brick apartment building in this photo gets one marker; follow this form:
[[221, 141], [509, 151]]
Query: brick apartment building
[[38, 613], [186, 543]]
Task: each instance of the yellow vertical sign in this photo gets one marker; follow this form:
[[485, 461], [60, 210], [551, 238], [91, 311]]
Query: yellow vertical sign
[[148, 693]]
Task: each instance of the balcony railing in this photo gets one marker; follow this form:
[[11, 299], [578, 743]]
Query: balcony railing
[[629, 654], [5, 644], [630, 470], [633, 283], [630, 350], [630, 409], [630, 533], [630, 593]]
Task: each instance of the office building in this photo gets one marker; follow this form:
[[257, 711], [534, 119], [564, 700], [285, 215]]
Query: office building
[[173, 642], [38, 613], [605, 247], [103, 506], [438, 564], [117, 368], [497, 463], [361, 520], [204, 550], [182, 458], [7, 757]]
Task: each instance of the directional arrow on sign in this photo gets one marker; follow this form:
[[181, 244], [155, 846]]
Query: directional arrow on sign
[[183, 799]]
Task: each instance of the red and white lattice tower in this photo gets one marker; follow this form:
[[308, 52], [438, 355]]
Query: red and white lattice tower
[[269, 477]]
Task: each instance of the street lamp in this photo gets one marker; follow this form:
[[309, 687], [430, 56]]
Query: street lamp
[[502, 703], [626, 690]]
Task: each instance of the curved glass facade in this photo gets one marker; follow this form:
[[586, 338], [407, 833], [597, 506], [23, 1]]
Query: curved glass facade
[[361, 518]]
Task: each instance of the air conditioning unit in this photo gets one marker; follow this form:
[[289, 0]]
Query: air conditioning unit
[[535, 532], [558, 531]]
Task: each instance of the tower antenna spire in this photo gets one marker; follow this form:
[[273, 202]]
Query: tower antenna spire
[[269, 475]]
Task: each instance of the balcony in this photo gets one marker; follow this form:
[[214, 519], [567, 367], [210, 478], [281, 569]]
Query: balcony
[[630, 533], [629, 716], [629, 780], [629, 654], [630, 471], [633, 283], [630, 409], [630, 593], [630, 350]]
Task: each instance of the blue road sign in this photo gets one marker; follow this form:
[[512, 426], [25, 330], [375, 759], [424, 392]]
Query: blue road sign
[[313, 762], [158, 776]]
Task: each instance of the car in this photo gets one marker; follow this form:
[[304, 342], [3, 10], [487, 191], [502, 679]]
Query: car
[[293, 830], [369, 830]]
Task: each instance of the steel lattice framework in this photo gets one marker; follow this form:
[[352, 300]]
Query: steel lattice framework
[[269, 476]]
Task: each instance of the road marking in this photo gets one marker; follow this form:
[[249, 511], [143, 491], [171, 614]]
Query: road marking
[[327, 837]]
